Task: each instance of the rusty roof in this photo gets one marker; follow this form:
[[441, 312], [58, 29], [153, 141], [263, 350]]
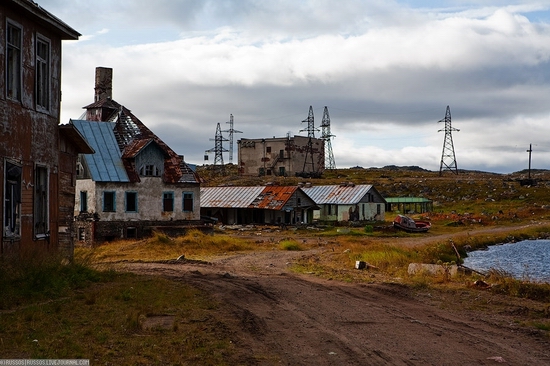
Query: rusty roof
[[273, 197], [132, 136]]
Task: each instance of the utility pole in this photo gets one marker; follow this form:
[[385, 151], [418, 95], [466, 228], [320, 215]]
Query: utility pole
[[218, 149], [231, 132], [309, 148], [448, 159], [530, 151], [326, 136]]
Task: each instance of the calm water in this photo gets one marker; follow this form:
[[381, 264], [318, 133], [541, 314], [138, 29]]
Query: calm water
[[529, 259]]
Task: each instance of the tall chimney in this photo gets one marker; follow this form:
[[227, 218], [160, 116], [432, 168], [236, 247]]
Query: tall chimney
[[103, 83]]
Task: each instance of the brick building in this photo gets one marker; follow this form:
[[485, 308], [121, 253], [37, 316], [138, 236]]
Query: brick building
[[37, 155]]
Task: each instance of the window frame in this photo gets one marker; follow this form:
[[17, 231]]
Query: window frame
[[167, 196], [83, 201], [189, 200], [42, 74], [127, 201], [14, 68], [105, 208], [41, 202], [12, 212]]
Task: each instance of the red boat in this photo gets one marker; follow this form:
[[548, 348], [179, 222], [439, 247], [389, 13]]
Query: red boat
[[412, 226]]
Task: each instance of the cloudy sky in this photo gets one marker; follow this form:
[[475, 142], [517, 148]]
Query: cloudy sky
[[385, 69]]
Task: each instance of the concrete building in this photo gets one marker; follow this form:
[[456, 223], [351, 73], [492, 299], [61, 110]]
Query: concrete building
[[37, 155], [346, 202], [285, 156], [134, 183]]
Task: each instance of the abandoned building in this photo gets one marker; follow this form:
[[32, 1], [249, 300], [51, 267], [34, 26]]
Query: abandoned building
[[38, 155], [134, 183], [275, 205], [285, 156], [346, 202]]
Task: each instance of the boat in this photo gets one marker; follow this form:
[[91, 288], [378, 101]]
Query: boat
[[413, 226]]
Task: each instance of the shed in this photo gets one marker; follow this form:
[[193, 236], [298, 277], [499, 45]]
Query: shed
[[409, 204]]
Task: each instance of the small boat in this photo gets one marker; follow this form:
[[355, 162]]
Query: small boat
[[413, 226]]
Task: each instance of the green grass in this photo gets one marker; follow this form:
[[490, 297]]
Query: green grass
[[290, 245]]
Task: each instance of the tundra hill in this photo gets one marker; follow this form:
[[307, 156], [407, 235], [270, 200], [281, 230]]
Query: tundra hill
[[482, 194]]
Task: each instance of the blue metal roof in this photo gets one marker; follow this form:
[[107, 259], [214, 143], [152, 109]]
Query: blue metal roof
[[106, 164]]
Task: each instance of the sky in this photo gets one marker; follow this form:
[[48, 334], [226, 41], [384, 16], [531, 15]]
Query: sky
[[386, 70]]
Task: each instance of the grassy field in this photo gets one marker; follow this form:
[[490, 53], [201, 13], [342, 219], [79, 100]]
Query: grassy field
[[84, 309]]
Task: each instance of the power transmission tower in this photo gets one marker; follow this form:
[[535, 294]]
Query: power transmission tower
[[326, 136], [231, 132], [218, 149], [309, 148], [448, 159]]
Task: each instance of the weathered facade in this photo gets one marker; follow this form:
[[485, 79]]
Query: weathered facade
[[134, 183], [35, 168], [285, 156], [347, 202], [274, 205]]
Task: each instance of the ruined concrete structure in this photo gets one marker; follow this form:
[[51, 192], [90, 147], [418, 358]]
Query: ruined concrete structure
[[284, 156], [37, 155], [134, 183]]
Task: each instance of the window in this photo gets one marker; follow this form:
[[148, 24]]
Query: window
[[109, 201], [40, 201], [42, 73], [268, 149], [281, 154], [378, 209], [12, 200], [13, 61], [187, 202], [261, 172], [168, 202], [131, 201], [149, 171], [83, 201], [131, 233], [281, 171]]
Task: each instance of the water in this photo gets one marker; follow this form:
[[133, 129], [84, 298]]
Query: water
[[529, 259]]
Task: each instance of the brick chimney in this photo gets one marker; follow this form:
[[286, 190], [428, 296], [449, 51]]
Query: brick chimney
[[103, 83]]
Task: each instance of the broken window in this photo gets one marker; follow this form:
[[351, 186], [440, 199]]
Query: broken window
[[42, 73], [131, 201], [187, 201], [109, 201], [12, 200], [40, 202], [13, 61], [168, 202], [149, 171]]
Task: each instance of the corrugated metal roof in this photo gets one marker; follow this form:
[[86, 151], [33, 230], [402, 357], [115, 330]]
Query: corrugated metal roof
[[229, 197], [337, 195], [407, 200], [106, 164], [273, 197]]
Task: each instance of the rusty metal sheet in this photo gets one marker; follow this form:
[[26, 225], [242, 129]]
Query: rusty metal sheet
[[273, 197]]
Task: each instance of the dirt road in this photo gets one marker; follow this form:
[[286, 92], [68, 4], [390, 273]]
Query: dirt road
[[280, 318]]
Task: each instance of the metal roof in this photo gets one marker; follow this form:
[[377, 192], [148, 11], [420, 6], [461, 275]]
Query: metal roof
[[106, 164], [273, 197], [229, 197], [407, 200], [337, 194]]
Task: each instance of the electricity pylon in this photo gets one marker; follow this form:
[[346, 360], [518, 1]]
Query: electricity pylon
[[218, 149], [448, 159], [231, 132], [326, 136], [309, 148]]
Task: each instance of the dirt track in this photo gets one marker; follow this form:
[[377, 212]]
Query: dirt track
[[277, 317]]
